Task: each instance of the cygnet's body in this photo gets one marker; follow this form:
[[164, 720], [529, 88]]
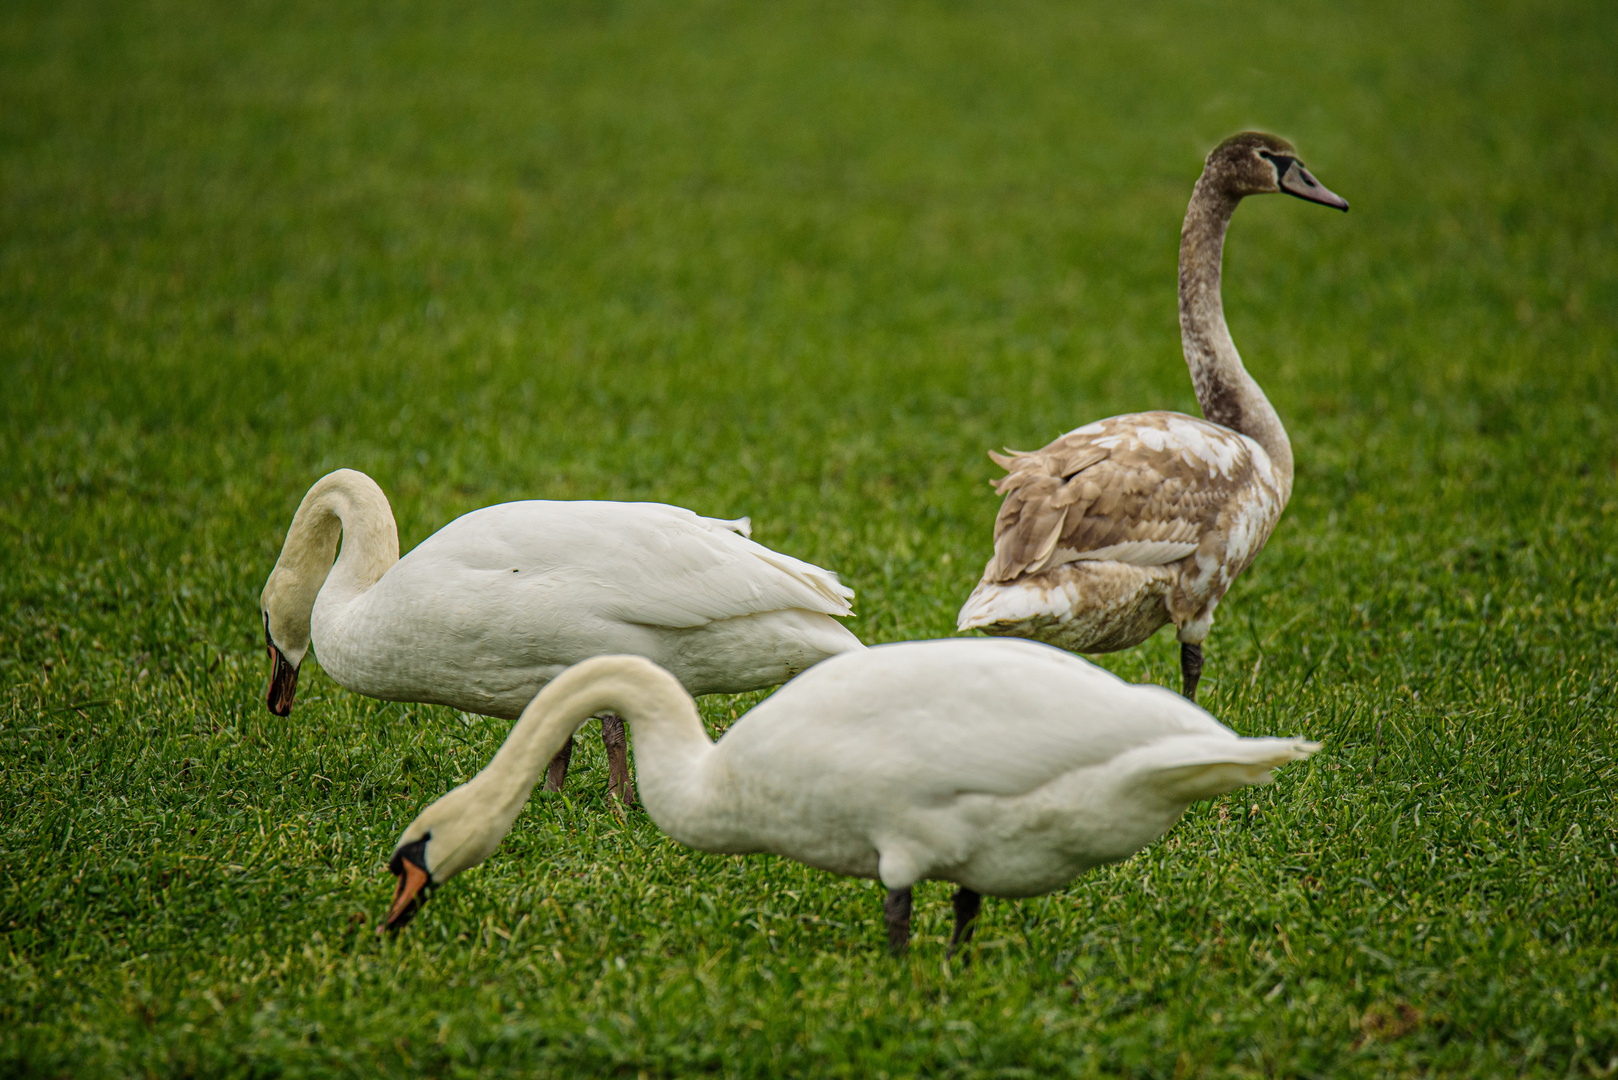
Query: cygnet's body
[[1127, 524]]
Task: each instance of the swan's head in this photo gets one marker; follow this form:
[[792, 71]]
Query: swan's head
[[453, 834], [286, 645], [1255, 163], [289, 595]]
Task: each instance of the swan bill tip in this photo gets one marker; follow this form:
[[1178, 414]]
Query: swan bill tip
[[283, 683], [1298, 182], [414, 884]]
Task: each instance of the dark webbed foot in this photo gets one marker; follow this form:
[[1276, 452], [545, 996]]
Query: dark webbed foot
[[556, 772], [1190, 670], [896, 910], [967, 905], [619, 782]]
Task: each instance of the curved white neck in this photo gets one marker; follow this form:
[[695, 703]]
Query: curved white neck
[[1227, 393], [346, 505], [671, 745]]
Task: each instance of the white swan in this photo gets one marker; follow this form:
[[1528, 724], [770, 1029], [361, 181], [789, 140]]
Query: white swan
[[499, 602], [1129, 523], [1003, 766]]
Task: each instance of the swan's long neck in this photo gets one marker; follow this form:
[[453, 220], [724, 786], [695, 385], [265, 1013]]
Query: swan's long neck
[[671, 744], [1227, 393], [345, 505]]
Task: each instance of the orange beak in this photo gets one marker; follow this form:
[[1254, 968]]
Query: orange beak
[[407, 896]]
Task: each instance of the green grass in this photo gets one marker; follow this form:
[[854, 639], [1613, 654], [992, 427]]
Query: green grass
[[805, 261]]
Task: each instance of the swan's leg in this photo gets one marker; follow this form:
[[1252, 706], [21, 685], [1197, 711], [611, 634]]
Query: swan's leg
[[967, 905], [619, 782], [556, 774], [896, 909], [1190, 669]]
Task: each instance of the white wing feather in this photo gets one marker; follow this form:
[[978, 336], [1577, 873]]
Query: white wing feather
[[645, 563]]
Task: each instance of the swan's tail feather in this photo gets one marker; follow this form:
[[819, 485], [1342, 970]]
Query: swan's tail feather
[[824, 592], [1199, 767], [835, 597]]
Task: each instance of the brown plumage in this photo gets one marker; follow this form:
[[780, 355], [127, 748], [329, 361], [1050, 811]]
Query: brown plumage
[[1127, 524]]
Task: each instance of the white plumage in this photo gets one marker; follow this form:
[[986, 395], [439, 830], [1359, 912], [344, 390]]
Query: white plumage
[[495, 604], [499, 602], [1004, 766]]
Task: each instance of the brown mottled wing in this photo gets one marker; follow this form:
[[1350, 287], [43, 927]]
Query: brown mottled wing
[[1142, 488]]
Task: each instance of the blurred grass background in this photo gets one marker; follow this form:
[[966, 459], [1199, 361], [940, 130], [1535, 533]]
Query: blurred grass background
[[805, 261]]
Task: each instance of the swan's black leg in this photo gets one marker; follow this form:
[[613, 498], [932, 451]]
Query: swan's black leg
[[1190, 670], [896, 909], [967, 905], [556, 774], [619, 782]]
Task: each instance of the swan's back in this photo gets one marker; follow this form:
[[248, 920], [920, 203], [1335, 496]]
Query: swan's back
[[498, 602], [964, 715], [650, 564]]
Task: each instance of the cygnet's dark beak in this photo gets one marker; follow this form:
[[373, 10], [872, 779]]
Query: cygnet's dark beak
[[283, 677], [409, 866], [1297, 180]]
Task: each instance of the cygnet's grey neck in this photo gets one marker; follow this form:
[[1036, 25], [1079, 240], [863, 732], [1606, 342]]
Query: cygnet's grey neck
[[1227, 393]]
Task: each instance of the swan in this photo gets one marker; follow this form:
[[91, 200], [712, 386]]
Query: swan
[[1004, 766], [1129, 523], [497, 603]]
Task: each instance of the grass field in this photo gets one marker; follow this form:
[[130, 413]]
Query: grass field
[[805, 261]]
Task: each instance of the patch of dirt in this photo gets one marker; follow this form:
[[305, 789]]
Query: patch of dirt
[[1385, 1023]]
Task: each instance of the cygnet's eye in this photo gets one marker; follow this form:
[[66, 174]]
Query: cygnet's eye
[[1281, 162]]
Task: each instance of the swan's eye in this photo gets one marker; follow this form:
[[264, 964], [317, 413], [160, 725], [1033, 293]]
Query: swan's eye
[[1281, 162]]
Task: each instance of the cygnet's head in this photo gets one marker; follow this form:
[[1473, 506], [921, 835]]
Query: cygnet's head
[[453, 834], [1256, 163]]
